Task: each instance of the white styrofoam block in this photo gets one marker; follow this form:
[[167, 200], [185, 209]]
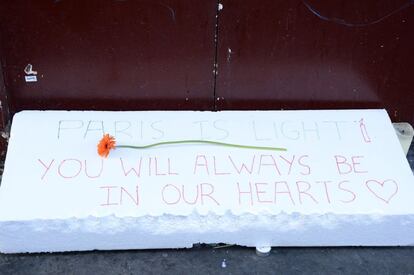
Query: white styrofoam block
[[343, 180]]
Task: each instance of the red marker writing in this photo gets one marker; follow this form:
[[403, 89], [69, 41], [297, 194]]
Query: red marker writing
[[364, 131]]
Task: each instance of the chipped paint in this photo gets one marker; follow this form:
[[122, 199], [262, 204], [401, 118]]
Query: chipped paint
[[29, 70], [5, 135], [229, 52]]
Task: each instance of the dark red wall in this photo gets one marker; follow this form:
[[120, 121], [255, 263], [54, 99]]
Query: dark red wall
[[271, 54], [101, 54], [317, 54]]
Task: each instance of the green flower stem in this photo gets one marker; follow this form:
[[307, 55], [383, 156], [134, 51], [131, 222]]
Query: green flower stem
[[202, 141]]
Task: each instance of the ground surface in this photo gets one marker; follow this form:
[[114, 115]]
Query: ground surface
[[209, 260]]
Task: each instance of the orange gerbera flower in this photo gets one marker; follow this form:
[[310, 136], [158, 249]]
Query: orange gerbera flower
[[106, 144]]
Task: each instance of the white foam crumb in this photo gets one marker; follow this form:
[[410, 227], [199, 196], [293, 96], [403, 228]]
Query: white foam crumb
[[223, 264], [220, 6], [263, 251]]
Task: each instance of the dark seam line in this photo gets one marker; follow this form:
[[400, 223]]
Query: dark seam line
[[215, 65]]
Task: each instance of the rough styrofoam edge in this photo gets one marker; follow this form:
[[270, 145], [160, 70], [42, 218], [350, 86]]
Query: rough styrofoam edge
[[217, 214], [183, 231]]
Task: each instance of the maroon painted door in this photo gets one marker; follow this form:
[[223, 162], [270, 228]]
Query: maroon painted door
[[109, 55], [182, 54], [277, 54]]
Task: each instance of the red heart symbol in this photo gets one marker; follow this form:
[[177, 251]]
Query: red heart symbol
[[377, 187]]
